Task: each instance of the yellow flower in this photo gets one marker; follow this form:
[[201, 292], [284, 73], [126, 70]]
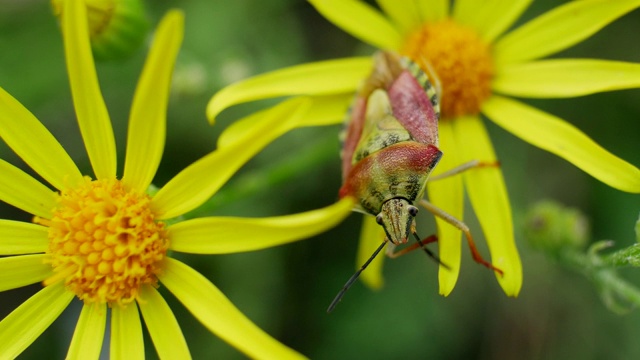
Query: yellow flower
[[117, 28], [107, 242], [467, 49]]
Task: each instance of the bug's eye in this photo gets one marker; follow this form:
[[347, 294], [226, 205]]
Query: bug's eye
[[379, 219], [413, 211]]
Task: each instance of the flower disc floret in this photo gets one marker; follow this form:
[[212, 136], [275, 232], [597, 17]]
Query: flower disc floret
[[104, 243], [461, 61]]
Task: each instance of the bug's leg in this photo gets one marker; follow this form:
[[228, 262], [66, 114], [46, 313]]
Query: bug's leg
[[462, 227], [464, 167], [420, 244]]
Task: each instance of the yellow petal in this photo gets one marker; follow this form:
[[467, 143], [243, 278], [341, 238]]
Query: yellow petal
[[245, 234], [565, 77], [18, 237], [19, 189], [488, 195], [91, 111], [557, 136], [404, 13], [35, 145], [371, 236], [219, 315], [558, 29], [318, 78], [147, 121], [323, 110], [196, 183], [23, 326], [464, 10], [19, 271], [501, 16], [360, 20], [126, 333], [492, 17], [448, 195], [162, 325], [87, 338], [433, 10]]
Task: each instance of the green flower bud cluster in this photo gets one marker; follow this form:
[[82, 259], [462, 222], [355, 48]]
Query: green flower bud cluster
[[552, 227], [563, 234]]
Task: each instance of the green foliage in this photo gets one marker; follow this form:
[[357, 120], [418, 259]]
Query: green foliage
[[561, 233]]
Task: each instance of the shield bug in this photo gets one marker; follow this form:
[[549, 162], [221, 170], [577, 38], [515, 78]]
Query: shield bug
[[390, 146]]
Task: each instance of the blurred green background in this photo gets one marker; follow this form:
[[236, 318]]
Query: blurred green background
[[286, 290]]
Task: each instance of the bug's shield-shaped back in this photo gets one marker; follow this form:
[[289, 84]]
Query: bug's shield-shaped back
[[413, 100], [391, 139]]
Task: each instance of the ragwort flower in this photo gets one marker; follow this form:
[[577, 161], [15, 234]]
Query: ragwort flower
[[107, 242], [467, 49], [117, 28]]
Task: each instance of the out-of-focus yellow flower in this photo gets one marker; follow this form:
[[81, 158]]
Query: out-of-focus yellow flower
[[117, 28], [478, 65], [106, 241]]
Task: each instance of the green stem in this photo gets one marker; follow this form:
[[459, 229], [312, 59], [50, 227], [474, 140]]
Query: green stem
[[576, 260], [626, 257], [615, 289], [616, 292]]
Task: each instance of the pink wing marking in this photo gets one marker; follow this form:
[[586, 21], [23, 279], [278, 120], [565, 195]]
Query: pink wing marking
[[354, 132], [413, 109]]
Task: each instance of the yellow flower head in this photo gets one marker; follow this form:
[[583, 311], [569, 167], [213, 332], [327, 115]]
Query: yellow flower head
[[117, 28], [467, 48], [105, 241]]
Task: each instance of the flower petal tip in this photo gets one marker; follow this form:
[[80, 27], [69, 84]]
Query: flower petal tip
[[176, 14], [174, 19], [447, 282], [511, 285], [374, 285], [213, 109], [445, 292]]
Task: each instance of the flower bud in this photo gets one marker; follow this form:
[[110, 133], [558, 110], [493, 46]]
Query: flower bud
[[117, 27], [551, 227]]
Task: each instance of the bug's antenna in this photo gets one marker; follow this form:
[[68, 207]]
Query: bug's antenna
[[435, 257], [353, 278]]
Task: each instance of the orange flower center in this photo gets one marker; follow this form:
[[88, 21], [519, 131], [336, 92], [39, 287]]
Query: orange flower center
[[461, 61], [104, 242]]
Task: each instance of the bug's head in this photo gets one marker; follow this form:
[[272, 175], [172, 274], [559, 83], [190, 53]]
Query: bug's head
[[396, 217]]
